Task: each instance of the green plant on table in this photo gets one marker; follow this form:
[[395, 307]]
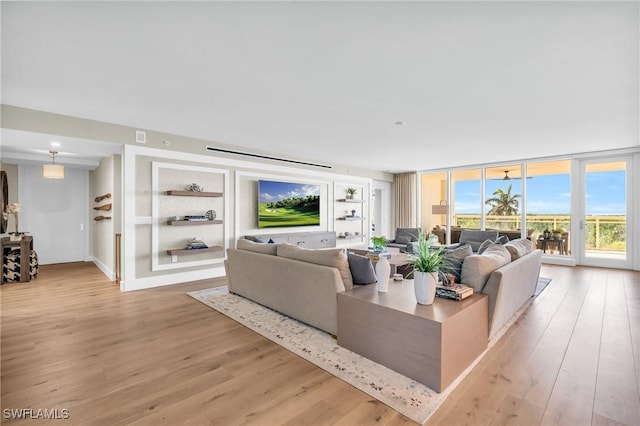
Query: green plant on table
[[426, 259], [379, 243]]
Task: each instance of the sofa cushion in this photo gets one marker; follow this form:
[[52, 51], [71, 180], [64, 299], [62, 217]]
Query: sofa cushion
[[477, 268], [334, 257], [453, 260], [362, 270], [412, 233], [264, 248], [403, 239], [519, 247]]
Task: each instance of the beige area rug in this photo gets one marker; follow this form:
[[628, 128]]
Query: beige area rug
[[399, 392]]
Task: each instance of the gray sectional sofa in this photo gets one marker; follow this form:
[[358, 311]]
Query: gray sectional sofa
[[303, 283]]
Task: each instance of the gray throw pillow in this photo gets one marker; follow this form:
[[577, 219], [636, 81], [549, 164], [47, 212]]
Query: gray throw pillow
[[502, 240], [475, 245], [484, 246], [361, 269], [453, 260]]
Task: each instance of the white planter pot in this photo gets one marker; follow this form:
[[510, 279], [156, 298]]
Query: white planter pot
[[15, 237], [383, 270], [425, 287]]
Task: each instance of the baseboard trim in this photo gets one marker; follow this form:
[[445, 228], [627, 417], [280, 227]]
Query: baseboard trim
[[104, 268], [164, 280]]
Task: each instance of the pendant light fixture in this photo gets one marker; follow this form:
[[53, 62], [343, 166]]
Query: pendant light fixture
[[53, 170]]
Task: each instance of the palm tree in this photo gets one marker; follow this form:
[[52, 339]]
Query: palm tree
[[503, 203]]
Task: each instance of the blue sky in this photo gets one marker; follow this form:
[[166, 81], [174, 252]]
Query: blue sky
[[551, 194]]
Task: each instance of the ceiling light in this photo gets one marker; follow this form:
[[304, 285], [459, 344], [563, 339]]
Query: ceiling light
[[55, 144], [53, 170], [399, 123]]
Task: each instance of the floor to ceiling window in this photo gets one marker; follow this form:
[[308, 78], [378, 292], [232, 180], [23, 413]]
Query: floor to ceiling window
[[548, 205], [434, 194], [466, 186], [576, 209], [503, 197]]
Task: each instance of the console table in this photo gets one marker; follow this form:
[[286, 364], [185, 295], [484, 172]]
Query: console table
[[312, 239], [26, 246], [432, 344]]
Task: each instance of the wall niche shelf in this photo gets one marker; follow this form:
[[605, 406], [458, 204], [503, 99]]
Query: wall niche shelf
[[193, 222], [193, 193], [349, 200], [350, 218], [174, 252]]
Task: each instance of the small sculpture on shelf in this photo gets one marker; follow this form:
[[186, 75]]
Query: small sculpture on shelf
[[210, 214], [194, 187]]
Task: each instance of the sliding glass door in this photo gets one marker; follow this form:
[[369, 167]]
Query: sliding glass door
[[604, 225]]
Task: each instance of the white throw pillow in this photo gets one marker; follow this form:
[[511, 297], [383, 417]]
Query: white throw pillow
[[519, 247], [334, 257], [477, 268]]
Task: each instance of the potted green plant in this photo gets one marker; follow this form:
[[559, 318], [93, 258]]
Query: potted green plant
[[427, 264], [351, 192], [379, 243]]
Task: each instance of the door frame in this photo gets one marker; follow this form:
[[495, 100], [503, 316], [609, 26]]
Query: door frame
[[579, 214]]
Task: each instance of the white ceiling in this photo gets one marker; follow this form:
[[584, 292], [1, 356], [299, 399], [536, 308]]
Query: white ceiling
[[473, 82]]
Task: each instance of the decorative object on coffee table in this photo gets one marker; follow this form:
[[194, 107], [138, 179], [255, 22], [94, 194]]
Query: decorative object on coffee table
[[426, 267], [383, 270]]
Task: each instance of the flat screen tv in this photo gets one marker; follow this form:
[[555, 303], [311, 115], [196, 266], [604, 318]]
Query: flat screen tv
[[287, 204]]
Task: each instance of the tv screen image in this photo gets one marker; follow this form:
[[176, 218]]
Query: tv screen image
[[288, 204]]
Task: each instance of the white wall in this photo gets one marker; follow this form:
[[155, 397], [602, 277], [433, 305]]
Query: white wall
[[143, 223], [102, 232], [55, 213]]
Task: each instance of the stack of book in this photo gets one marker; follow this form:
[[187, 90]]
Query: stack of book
[[197, 243], [454, 292], [195, 218]]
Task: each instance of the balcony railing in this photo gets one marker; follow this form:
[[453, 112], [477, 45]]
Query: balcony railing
[[603, 232]]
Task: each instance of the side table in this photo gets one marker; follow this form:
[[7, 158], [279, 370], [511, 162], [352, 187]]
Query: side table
[[545, 243], [26, 246], [432, 344]]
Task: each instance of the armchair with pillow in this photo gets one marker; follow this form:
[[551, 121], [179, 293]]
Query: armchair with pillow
[[406, 239]]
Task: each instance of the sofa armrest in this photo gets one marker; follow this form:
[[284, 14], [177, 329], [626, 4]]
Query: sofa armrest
[[302, 290], [510, 287]]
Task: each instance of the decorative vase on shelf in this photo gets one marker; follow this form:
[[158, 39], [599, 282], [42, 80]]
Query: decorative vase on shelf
[[425, 287], [383, 270]]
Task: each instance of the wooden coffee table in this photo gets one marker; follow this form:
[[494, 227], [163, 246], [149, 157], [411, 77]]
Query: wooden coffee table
[[431, 344]]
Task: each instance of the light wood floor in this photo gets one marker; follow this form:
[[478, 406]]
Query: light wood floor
[[71, 340]]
